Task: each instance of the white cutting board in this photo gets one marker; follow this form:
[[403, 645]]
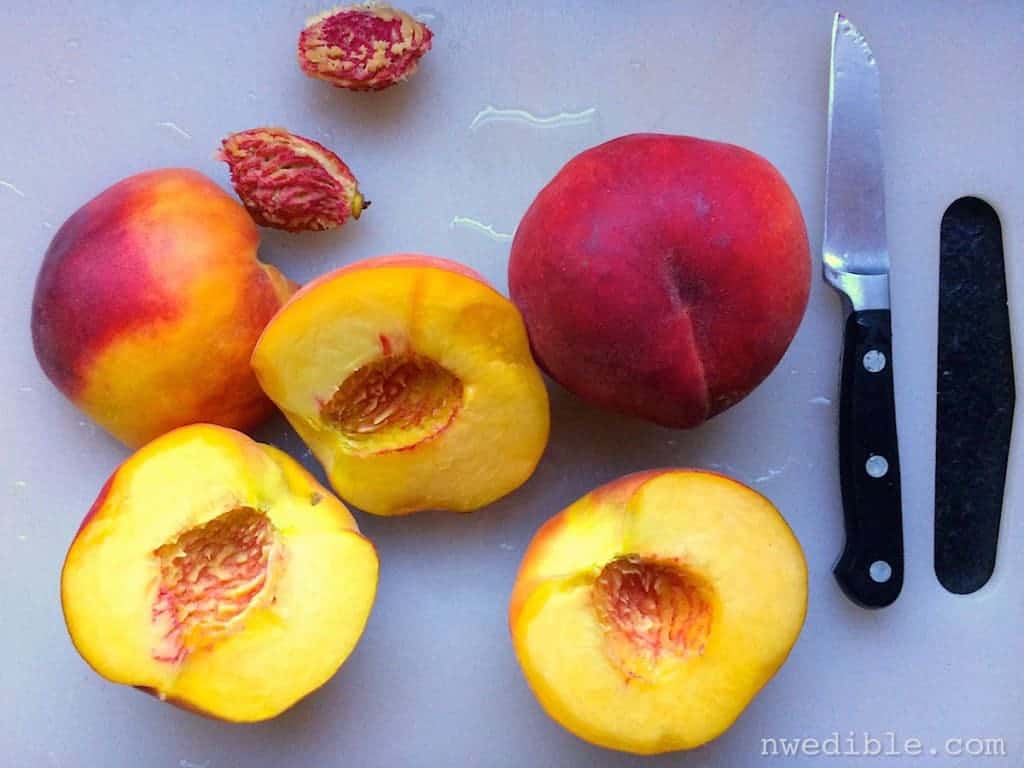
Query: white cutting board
[[96, 91]]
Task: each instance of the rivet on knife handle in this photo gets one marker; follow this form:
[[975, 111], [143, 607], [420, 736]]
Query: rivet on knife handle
[[870, 569]]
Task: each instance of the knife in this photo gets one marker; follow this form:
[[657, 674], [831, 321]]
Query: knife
[[856, 263]]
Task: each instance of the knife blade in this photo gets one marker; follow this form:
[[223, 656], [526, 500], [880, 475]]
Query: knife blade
[[856, 263]]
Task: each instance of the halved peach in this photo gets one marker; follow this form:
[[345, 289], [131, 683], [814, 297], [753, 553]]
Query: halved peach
[[216, 573], [411, 380], [648, 614]]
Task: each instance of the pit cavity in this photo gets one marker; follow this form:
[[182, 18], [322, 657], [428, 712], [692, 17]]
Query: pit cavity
[[210, 575], [393, 403], [650, 610]]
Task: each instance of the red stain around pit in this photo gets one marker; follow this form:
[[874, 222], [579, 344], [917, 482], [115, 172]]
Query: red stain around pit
[[650, 608], [363, 48], [395, 394], [209, 576], [96, 283], [385, 345]]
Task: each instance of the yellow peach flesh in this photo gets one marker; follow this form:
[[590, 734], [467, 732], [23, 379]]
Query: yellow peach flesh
[[211, 565], [411, 382], [647, 620]]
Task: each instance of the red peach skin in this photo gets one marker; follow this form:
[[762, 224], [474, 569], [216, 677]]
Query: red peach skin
[[662, 276]]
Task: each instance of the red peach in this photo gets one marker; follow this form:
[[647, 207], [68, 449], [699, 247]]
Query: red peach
[[662, 276]]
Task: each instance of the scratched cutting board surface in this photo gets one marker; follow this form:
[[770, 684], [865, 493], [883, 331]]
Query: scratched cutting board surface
[[91, 92]]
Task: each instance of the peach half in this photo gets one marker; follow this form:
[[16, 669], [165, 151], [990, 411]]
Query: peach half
[[214, 572], [649, 613], [411, 380]]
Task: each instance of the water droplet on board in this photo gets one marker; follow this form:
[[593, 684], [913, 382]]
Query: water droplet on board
[[479, 226], [11, 187], [172, 126], [774, 472], [73, 42], [492, 114]]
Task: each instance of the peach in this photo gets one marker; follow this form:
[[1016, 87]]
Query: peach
[[662, 276], [216, 573], [649, 613], [149, 302], [411, 380]]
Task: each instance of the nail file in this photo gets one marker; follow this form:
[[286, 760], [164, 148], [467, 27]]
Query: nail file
[[975, 395]]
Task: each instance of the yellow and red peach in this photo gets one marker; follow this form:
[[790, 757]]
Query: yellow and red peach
[[649, 613], [149, 302], [217, 574], [411, 380], [662, 276]]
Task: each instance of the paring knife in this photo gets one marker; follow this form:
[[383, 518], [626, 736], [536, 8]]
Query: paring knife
[[856, 262]]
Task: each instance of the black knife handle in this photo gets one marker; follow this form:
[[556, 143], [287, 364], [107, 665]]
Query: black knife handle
[[870, 570]]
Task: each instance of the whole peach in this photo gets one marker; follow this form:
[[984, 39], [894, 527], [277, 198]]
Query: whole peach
[[149, 302], [662, 276]]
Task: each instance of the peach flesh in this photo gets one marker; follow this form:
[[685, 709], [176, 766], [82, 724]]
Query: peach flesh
[[209, 576], [648, 609], [649, 613], [450, 411], [216, 573], [393, 403]]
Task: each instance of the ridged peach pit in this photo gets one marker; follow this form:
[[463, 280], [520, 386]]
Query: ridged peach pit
[[393, 402], [650, 609], [210, 575]]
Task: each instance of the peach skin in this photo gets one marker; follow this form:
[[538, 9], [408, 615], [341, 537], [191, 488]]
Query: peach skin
[[411, 380], [662, 276], [217, 574], [149, 302], [649, 613]]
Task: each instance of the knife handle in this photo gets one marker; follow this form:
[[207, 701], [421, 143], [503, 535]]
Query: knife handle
[[870, 569]]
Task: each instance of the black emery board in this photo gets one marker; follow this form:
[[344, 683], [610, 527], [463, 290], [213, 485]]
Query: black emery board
[[975, 397]]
